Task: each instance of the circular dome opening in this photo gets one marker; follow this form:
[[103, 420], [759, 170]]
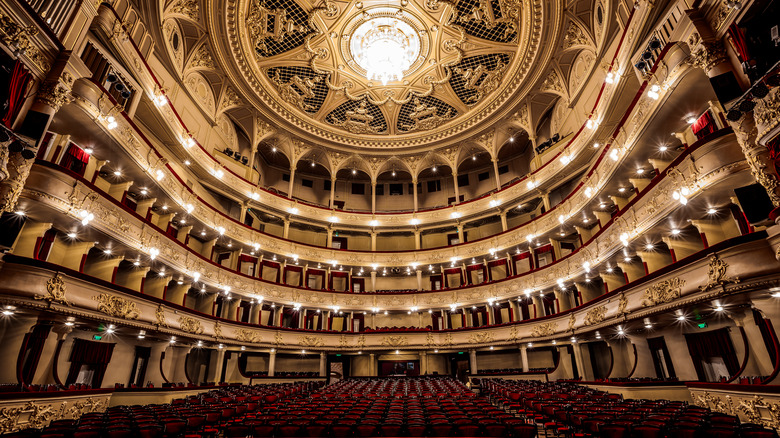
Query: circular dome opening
[[385, 47]]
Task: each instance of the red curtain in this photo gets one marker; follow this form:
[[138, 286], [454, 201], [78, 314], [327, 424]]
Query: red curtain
[[30, 353], [450, 271], [740, 43], [705, 125], [715, 343], [75, 159], [359, 281], [43, 245], [17, 87], [97, 354]]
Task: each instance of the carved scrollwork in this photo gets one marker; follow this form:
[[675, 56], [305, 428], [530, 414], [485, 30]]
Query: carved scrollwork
[[310, 341], [246, 335], [395, 341], [481, 338], [55, 291], [190, 325], [159, 316], [117, 306], [716, 274], [543, 329], [595, 315], [663, 292]]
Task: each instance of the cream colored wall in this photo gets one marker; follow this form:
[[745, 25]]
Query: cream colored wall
[[308, 363], [396, 283], [308, 237], [398, 320], [438, 363], [394, 242], [540, 358], [360, 365], [498, 359]]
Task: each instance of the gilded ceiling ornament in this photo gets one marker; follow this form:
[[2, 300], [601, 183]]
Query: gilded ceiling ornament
[[116, 306], [246, 335], [595, 315], [481, 338], [394, 341], [310, 341], [202, 58], [663, 292], [159, 316], [708, 54], [543, 329], [230, 99], [481, 80], [357, 121], [574, 36], [55, 291], [716, 274], [425, 117], [757, 156], [508, 13], [188, 8], [190, 325], [266, 25], [552, 83], [297, 90], [429, 341]]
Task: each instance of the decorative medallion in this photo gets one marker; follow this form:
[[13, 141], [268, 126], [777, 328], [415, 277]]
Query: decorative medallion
[[663, 292], [190, 325], [543, 329], [116, 306], [310, 341], [716, 274], [55, 291]]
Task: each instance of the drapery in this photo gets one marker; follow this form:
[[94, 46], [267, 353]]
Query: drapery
[[17, 87], [522, 266], [267, 270], [75, 159], [740, 42], [30, 353], [452, 271], [358, 285], [43, 246], [704, 125], [97, 354], [715, 343], [497, 269], [315, 273], [477, 267], [339, 275]]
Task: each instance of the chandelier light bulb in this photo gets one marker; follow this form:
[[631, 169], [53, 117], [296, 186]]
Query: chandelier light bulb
[[385, 47]]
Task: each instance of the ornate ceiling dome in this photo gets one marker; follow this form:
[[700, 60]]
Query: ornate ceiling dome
[[384, 75]]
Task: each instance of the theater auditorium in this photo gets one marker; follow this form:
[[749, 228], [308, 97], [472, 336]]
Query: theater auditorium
[[390, 218]]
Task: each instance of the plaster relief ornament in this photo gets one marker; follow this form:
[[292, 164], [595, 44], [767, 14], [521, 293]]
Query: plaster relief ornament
[[357, 121], [297, 89], [425, 117], [481, 80]]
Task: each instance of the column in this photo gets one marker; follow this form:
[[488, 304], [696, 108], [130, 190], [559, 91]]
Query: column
[[373, 240], [504, 225], [473, 361], [371, 364], [292, 180], [423, 363], [419, 280], [242, 217], [216, 366], [455, 184], [577, 348], [52, 94], [272, 363], [445, 320], [332, 191], [539, 308], [329, 239], [373, 197], [524, 358], [460, 234], [286, 232], [495, 171], [416, 239], [323, 364], [546, 200], [414, 191], [373, 281]]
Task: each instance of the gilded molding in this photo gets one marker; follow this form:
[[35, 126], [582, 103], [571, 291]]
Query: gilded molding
[[544, 329], [246, 335], [394, 341], [595, 315], [190, 325], [55, 291], [481, 338], [716, 274], [310, 341], [663, 292]]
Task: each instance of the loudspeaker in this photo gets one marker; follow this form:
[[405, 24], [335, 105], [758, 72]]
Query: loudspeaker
[[755, 202], [726, 87], [34, 125]]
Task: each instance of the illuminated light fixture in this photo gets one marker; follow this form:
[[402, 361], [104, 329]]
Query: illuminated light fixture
[[596, 145], [199, 344], [333, 219], [434, 168], [292, 210], [591, 124], [561, 219], [254, 196], [436, 350], [610, 79], [86, 217], [775, 294], [586, 266], [219, 173], [414, 221], [648, 326], [160, 100], [189, 208], [107, 251], [296, 306], [588, 192], [491, 347], [144, 192], [221, 230], [455, 215], [117, 173], [188, 142], [566, 159], [195, 276], [690, 120], [69, 323], [675, 232], [531, 185], [622, 190], [221, 346], [165, 207], [313, 164], [495, 203], [712, 210], [719, 308], [203, 233], [663, 148], [136, 263], [153, 253], [20, 213], [374, 223], [374, 266], [273, 149], [8, 311], [609, 269], [649, 247], [111, 123], [585, 220], [187, 162], [615, 154], [624, 239], [89, 151], [385, 47], [473, 158], [653, 92], [159, 175], [681, 318], [530, 237], [110, 329], [453, 307], [640, 171]]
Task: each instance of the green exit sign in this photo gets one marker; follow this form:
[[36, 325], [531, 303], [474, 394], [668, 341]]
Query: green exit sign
[[702, 325], [97, 337]]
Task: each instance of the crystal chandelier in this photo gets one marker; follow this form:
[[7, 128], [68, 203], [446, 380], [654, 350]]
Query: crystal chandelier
[[385, 47]]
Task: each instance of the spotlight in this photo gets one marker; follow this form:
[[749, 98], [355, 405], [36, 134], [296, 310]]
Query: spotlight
[[760, 90]]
